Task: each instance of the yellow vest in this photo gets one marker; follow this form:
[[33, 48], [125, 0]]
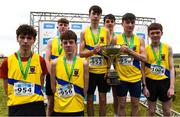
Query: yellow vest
[[129, 73], [15, 76], [151, 61], [89, 45], [54, 51], [73, 103]]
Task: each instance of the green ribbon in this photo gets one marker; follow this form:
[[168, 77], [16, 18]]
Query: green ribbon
[[59, 43], [72, 67], [158, 59], [131, 41], [21, 66], [97, 37], [113, 35]]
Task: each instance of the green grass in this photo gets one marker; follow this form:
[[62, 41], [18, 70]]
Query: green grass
[[110, 110], [3, 98], [3, 102], [176, 103]]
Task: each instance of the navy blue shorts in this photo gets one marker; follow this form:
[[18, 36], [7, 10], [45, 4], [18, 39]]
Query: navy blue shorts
[[97, 80], [81, 113], [158, 89], [29, 109], [133, 88]]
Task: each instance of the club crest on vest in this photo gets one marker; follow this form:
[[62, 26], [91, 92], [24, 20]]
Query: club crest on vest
[[76, 72], [32, 70], [101, 39]]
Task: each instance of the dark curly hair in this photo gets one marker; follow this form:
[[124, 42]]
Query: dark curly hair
[[26, 29]]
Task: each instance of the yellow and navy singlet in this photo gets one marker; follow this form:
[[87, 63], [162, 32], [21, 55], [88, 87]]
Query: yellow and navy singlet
[[126, 66], [22, 91], [152, 69], [97, 63], [55, 52], [64, 101]]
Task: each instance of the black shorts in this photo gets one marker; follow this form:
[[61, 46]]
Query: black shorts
[[97, 80], [158, 89], [81, 113], [133, 88], [29, 109], [48, 86]]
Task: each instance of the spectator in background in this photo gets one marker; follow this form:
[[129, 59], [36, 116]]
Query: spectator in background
[[1, 55]]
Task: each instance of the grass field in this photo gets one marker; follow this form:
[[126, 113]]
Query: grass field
[[143, 110], [3, 98]]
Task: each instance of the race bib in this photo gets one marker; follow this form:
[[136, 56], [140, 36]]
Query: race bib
[[24, 89], [66, 91], [125, 60], [156, 69], [96, 61]]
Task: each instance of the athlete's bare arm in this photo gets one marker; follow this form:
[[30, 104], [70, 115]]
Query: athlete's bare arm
[[48, 55], [86, 77], [84, 53], [172, 74], [53, 75]]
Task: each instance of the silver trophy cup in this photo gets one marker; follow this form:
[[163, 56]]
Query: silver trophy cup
[[111, 52]]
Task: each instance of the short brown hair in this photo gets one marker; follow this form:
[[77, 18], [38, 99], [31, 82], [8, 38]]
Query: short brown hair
[[109, 16], [69, 34], [155, 26], [128, 16], [96, 9], [63, 20]]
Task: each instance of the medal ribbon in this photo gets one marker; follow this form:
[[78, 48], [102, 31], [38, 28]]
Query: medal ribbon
[[72, 67], [126, 41], [97, 37], [158, 59], [59, 43], [21, 66]]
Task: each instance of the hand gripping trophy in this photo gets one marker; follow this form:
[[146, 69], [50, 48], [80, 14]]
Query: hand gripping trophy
[[111, 52]]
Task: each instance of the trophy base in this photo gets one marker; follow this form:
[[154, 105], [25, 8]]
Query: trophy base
[[113, 78], [113, 81]]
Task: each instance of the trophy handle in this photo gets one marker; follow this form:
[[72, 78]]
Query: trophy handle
[[104, 53]]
